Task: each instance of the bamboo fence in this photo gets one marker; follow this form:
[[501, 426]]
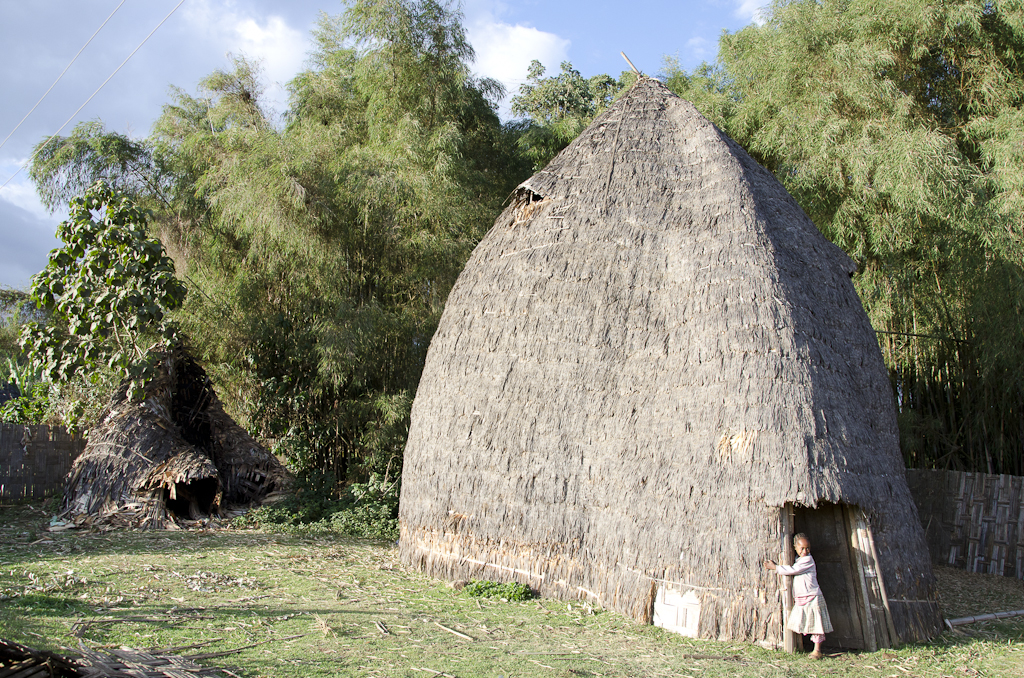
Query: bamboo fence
[[972, 521], [34, 460]]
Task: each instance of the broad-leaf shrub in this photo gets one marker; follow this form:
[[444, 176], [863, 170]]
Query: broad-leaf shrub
[[107, 292]]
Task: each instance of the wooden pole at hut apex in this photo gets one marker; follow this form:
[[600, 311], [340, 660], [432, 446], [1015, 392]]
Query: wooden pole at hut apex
[[635, 69]]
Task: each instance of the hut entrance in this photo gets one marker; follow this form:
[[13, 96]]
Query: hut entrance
[[193, 500], [848, 575]]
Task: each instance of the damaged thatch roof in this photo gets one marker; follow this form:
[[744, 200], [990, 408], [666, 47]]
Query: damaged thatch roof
[[174, 454], [650, 358], [20, 661]]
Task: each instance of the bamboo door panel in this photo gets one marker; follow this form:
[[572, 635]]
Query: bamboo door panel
[[826, 528], [878, 622]]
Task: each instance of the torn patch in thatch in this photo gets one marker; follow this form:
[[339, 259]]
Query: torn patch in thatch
[[176, 455], [524, 204]]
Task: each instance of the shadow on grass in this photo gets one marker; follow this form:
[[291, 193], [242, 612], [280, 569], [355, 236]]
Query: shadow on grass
[[53, 621], [24, 538]]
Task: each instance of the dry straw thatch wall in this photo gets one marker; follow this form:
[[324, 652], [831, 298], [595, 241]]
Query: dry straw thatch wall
[[175, 454], [652, 354]]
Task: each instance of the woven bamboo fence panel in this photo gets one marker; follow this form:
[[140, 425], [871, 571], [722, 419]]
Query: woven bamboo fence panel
[[34, 460], [972, 521]]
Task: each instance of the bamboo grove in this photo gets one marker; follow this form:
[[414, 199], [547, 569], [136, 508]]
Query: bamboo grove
[[319, 249]]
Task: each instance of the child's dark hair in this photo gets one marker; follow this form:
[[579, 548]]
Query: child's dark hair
[[800, 536]]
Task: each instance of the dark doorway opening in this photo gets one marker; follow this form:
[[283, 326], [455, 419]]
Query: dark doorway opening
[[848, 574], [193, 500], [827, 528]]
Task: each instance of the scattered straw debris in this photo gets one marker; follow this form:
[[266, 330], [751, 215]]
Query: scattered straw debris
[[212, 582], [65, 582], [963, 594], [20, 660]]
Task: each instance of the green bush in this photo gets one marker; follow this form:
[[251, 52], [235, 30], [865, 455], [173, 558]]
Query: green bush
[[30, 409], [491, 589], [32, 405], [368, 510]]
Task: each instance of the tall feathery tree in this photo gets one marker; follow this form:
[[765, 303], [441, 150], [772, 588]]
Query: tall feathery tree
[[329, 248], [320, 253], [557, 108], [898, 127]]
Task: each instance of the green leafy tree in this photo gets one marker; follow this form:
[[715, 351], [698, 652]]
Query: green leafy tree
[[319, 254], [898, 128], [107, 293], [65, 167], [28, 395], [33, 395], [560, 107], [708, 87], [322, 253], [12, 314]]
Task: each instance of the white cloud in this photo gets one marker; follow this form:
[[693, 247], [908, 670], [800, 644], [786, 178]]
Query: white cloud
[[504, 52], [700, 48], [752, 10], [21, 192], [280, 48]]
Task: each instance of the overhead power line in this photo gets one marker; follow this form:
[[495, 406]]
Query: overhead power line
[[27, 162], [62, 74]]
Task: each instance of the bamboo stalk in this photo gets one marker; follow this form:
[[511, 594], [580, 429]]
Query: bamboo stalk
[[960, 621], [894, 637], [452, 631], [786, 558]]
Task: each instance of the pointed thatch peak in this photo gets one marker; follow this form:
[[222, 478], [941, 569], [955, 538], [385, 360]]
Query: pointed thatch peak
[[654, 214], [651, 353]]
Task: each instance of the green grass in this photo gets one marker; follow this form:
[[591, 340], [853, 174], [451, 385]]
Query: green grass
[[320, 607]]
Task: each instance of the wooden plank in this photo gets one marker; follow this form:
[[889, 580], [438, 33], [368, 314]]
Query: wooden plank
[[894, 638], [860, 608], [789, 639], [871, 640]]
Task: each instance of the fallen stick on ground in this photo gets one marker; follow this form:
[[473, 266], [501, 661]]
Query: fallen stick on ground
[[80, 625], [960, 621], [179, 648], [453, 631]]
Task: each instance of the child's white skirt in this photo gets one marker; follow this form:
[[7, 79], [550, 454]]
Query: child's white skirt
[[811, 618]]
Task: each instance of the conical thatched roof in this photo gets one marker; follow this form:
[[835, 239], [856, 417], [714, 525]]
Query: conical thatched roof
[[173, 455], [650, 358]]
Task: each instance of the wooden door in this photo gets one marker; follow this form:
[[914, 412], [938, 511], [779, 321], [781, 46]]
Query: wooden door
[[838, 576]]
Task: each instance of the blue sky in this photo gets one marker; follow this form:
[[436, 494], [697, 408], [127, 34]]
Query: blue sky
[[39, 38]]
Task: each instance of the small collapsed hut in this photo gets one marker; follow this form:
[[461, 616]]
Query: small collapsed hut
[[173, 455], [653, 371]]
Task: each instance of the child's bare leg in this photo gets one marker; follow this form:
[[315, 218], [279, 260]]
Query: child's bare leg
[[818, 639]]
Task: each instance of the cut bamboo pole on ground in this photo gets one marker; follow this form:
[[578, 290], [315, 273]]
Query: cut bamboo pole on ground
[[453, 631], [960, 621]]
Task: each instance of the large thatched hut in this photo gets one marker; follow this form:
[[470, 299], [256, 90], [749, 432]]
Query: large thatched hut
[[173, 455], [652, 371]]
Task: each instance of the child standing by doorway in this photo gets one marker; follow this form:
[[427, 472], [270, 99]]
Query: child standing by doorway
[[809, 615]]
